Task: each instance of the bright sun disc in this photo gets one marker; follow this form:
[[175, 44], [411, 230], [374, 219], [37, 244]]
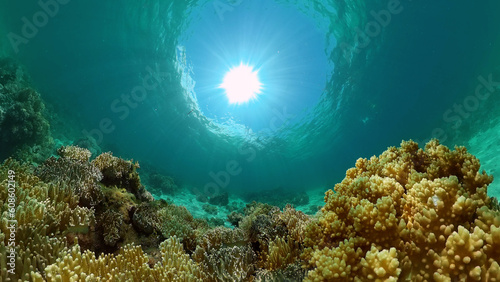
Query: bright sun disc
[[241, 84]]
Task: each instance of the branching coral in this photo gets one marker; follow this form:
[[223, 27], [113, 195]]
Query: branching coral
[[131, 264], [45, 214], [74, 153], [118, 172], [407, 214], [74, 169]]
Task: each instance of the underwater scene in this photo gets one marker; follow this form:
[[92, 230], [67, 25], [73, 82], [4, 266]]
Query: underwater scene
[[249, 140]]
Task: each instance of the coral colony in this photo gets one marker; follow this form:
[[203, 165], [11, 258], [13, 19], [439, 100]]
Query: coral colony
[[409, 214]]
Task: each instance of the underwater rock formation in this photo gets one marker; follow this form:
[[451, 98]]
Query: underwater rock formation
[[409, 214]]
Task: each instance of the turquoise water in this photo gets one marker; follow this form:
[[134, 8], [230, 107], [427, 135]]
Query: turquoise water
[[341, 80]]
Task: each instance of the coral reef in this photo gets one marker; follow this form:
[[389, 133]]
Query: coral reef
[[118, 172], [178, 221], [111, 223], [409, 214], [230, 263], [75, 153], [46, 214], [73, 169], [292, 273], [88, 142], [121, 173], [234, 218], [131, 264], [145, 219], [24, 128], [263, 241], [167, 220], [225, 254]]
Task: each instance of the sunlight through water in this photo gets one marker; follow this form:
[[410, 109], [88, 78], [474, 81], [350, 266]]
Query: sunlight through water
[[241, 84]]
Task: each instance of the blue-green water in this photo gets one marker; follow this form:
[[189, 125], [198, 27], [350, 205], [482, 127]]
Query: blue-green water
[[342, 80]]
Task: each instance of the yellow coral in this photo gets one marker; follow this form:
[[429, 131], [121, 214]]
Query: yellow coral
[[407, 214], [45, 213], [381, 265], [131, 264], [295, 222]]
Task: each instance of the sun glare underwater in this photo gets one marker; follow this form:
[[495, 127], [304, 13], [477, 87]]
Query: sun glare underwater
[[249, 140], [241, 84]]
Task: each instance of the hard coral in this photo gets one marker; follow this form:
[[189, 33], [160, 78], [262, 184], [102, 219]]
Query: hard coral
[[407, 214], [145, 218], [74, 153], [23, 121], [131, 264], [74, 169], [45, 212], [167, 220], [178, 221], [225, 254], [234, 218], [112, 224], [292, 273], [119, 172]]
